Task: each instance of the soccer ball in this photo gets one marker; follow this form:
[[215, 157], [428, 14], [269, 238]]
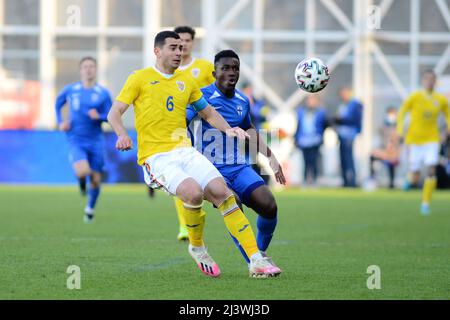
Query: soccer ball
[[312, 75]]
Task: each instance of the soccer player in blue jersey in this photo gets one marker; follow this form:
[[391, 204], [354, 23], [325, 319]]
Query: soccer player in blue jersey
[[240, 177], [89, 104]]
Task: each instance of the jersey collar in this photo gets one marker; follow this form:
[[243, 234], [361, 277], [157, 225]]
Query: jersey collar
[[165, 75], [182, 68], [221, 93]]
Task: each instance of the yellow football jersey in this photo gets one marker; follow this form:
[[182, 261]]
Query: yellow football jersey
[[160, 109], [424, 109], [200, 70]]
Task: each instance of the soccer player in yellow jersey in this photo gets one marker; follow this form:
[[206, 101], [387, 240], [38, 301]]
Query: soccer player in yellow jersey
[[422, 136], [201, 71], [160, 97]]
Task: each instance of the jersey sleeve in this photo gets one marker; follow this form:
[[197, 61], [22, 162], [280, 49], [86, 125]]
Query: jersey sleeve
[[200, 104], [61, 100], [404, 109], [130, 90], [191, 113], [247, 122], [106, 106], [196, 93]]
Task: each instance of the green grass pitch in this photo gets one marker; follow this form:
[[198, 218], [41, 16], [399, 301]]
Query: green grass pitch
[[325, 241]]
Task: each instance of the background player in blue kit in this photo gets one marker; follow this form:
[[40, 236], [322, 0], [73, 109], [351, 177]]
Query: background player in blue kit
[[89, 104], [234, 106]]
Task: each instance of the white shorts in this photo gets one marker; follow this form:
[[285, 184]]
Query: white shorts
[[168, 170], [419, 154]]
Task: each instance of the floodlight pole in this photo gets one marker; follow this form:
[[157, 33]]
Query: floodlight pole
[[47, 65], [414, 44], [152, 25], [258, 44], [209, 20], [2, 23], [363, 80], [102, 19]]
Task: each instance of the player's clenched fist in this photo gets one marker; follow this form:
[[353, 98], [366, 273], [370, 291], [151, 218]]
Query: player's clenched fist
[[237, 132], [64, 126], [124, 143]]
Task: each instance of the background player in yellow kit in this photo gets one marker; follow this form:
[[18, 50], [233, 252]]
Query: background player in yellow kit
[[201, 71], [422, 136]]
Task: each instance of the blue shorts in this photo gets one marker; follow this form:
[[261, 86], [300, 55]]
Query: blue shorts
[[242, 179], [93, 155]]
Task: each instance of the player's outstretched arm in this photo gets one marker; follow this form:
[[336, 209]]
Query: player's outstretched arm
[[124, 142], [63, 125], [264, 149], [216, 120]]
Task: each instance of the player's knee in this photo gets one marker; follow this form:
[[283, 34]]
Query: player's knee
[[193, 196], [269, 210], [83, 173], [217, 191], [95, 183], [222, 193]]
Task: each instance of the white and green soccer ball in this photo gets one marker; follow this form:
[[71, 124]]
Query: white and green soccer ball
[[312, 75]]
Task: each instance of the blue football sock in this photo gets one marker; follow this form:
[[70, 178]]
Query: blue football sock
[[240, 248], [93, 195], [266, 227]]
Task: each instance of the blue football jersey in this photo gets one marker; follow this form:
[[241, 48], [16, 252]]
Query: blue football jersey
[[212, 143], [80, 100]]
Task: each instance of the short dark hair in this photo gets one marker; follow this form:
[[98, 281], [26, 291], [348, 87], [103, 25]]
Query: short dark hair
[[185, 29], [161, 37], [89, 58], [225, 54]]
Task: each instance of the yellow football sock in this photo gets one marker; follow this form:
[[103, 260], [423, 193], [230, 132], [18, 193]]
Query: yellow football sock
[[180, 212], [238, 225], [194, 216], [428, 187]]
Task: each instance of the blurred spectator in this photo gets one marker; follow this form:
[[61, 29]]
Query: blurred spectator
[[311, 124], [259, 112], [389, 151], [348, 125], [259, 109]]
